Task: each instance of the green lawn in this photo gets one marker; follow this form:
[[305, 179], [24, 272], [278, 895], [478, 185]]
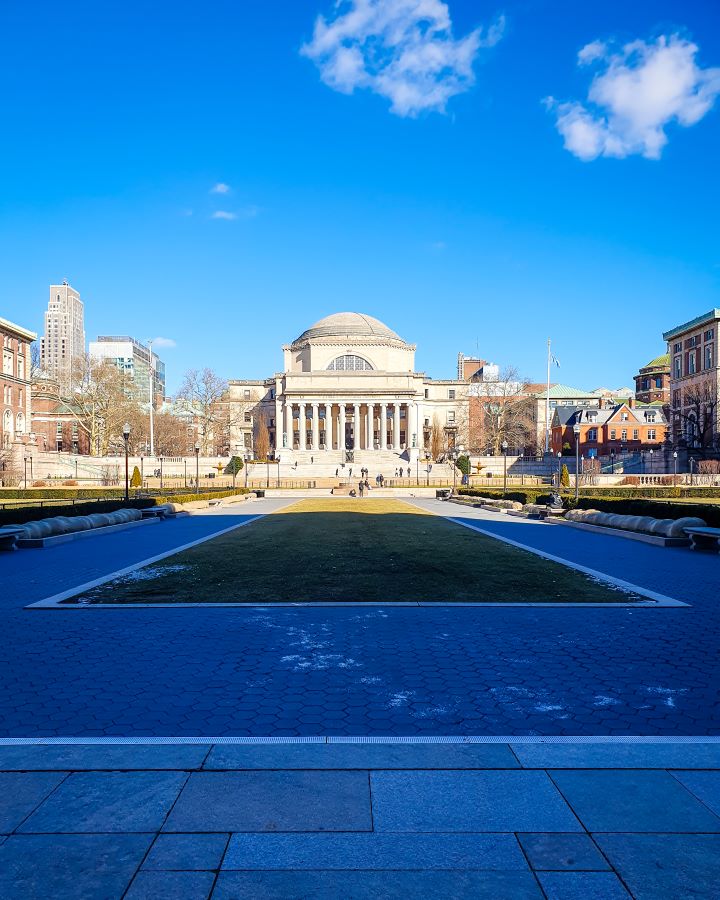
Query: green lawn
[[353, 550]]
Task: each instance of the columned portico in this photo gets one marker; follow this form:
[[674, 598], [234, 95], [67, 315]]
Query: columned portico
[[328, 427], [396, 426], [383, 426], [369, 426], [341, 427], [315, 426]]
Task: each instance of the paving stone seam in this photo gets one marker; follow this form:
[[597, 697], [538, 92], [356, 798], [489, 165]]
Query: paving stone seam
[[509, 740], [673, 774], [40, 803], [660, 600]]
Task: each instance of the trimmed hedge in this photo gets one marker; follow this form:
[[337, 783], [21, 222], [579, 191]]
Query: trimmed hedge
[[632, 506], [21, 514]]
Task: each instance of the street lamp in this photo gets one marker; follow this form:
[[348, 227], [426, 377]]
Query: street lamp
[[576, 432], [278, 471], [427, 468], [246, 457], [612, 462], [197, 467], [559, 464], [691, 462], [651, 460], [126, 436], [674, 468], [504, 446], [25, 461], [161, 472]]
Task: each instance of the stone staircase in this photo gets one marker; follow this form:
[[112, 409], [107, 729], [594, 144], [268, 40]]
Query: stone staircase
[[321, 464]]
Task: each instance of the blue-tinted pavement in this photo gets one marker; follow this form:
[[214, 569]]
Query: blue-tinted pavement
[[359, 670]]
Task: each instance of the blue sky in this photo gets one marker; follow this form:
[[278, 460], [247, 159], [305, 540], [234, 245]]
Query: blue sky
[[460, 205]]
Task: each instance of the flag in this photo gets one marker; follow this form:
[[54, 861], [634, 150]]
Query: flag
[[555, 360]]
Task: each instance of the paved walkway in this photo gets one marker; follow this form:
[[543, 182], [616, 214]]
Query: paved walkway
[[363, 821], [379, 670]]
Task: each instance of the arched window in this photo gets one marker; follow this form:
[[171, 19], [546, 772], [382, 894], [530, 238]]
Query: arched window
[[7, 421], [19, 423], [349, 363]]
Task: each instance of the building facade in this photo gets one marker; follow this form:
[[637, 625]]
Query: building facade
[[348, 386], [618, 429], [15, 383], [63, 343], [54, 424], [135, 360], [695, 383], [652, 383]]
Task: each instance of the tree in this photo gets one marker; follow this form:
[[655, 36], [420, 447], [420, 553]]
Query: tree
[[203, 395], [565, 476], [463, 463], [101, 400], [262, 438], [698, 418], [505, 414], [136, 480], [437, 438], [171, 433], [234, 466]]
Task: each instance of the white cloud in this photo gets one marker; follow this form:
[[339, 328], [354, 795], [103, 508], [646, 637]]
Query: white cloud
[[223, 214], [163, 342], [638, 92], [401, 49], [220, 188]]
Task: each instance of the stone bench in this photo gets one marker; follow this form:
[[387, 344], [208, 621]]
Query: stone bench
[[707, 539], [215, 503], [9, 535]]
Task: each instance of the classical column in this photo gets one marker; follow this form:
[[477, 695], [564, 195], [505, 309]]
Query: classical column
[[396, 426], [328, 427], [278, 423], [303, 427], [289, 423], [356, 426], [420, 424], [341, 426], [369, 427], [383, 426], [412, 425], [316, 426]]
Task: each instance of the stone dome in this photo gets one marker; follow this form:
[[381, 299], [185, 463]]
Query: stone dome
[[348, 325]]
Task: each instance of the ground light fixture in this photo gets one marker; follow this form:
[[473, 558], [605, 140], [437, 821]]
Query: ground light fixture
[[576, 432], [126, 438]]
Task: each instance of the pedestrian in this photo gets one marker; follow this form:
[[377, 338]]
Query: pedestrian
[[396, 471], [361, 488], [401, 471], [351, 471], [312, 460], [336, 473]]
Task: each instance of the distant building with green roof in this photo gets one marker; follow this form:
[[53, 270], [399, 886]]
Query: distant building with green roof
[[652, 383]]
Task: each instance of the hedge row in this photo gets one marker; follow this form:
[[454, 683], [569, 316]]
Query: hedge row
[[623, 505], [625, 493], [21, 514]]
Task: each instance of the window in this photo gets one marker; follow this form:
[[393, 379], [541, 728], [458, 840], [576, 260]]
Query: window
[[248, 417], [651, 434], [709, 334], [451, 417], [624, 417], [592, 435], [658, 382], [427, 394], [349, 363], [612, 434], [645, 385], [708, 357], [451, 394], [623, 434], [649, 416], [636, 434], [246, 395], [677, 348], [691, 363]]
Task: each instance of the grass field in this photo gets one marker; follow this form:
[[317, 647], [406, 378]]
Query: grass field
[[340, 550]]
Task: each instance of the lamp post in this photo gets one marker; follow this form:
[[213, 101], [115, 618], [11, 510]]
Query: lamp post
[[612, 462], [142, 471], [691, 462], [278, 471], [126, 437], [246, 457], [427, 468], [197, 467], [161, 472], [25, 462], [152, 399], [651, 460], [576, 432], [185, 471], [559, 465], [504, 446], [674, 468]]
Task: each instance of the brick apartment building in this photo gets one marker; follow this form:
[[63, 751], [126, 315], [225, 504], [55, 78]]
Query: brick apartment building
[[53, 423], [619, 429], [695, 383], [15, 382]]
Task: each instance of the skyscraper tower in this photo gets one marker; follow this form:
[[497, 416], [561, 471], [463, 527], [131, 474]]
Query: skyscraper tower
[[64, 340]]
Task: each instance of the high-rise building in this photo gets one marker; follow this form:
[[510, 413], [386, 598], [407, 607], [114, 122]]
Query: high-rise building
[[64, 341], [137, 361]]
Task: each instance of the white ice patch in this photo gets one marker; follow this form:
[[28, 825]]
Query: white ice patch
[[668, 695], [400, 698], [600, 701]]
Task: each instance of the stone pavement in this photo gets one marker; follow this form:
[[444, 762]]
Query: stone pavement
[[347, 819], [376, 670]]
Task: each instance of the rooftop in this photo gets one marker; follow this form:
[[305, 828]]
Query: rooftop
[[348, 324]]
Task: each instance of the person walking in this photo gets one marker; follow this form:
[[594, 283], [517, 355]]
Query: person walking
[[361, 487], [336, 473]]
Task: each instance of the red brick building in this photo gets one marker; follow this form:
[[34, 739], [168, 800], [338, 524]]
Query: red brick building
[[53, 423], [619, 429], [652, 383], [15, 383]]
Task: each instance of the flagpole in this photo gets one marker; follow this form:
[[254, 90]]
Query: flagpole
[[547, 402]]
